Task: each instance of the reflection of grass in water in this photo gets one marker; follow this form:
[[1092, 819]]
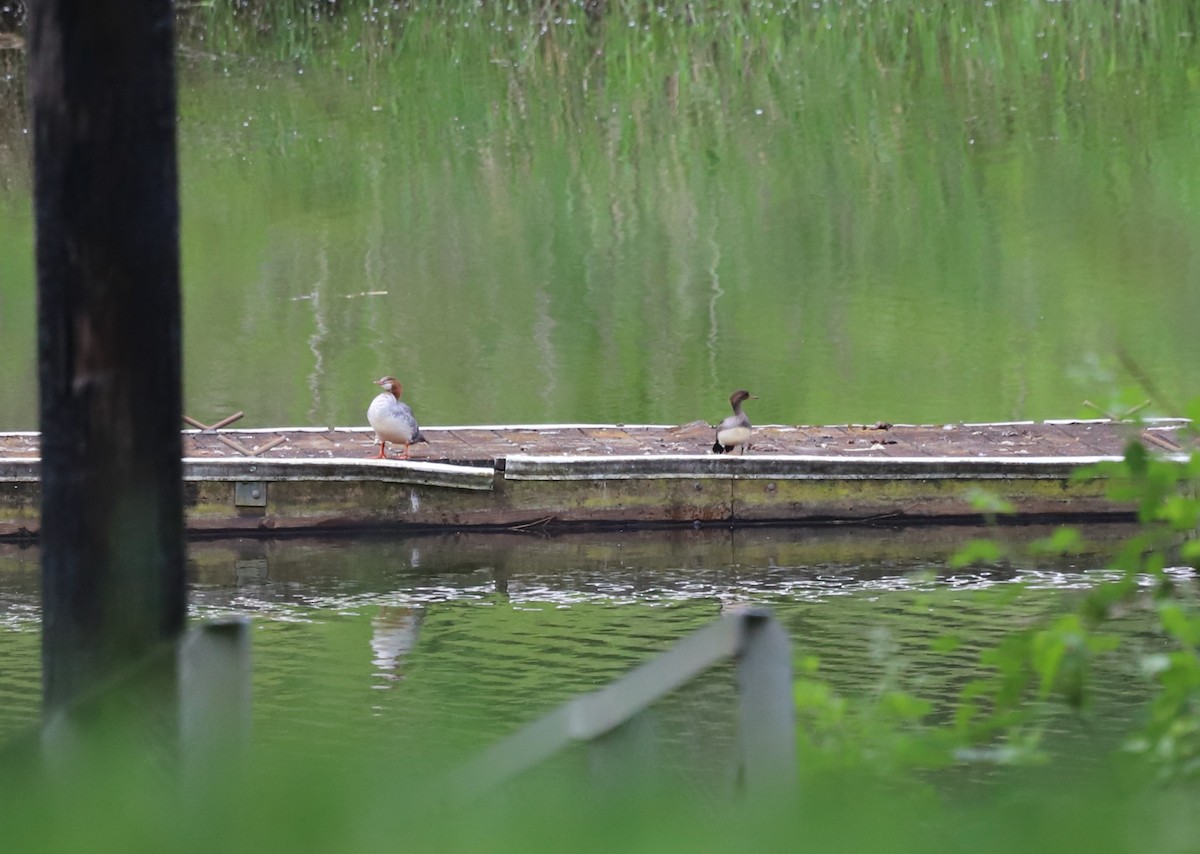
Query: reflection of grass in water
[[623, 40], [655, 211], [622, 176]]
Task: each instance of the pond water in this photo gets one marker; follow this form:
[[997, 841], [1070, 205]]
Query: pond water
[[523, 242], [439, 645], [900, 211]]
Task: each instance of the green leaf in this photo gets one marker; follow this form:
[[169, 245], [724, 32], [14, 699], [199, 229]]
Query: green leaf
[[1182, 513], [1062, 542], [1176, 622], [988, 502], [1136, 457], [809, 664], [1048, 651], [905, 706], [975, 552]]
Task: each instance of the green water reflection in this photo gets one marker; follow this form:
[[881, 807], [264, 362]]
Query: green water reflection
[[437, 646], [527, 248]]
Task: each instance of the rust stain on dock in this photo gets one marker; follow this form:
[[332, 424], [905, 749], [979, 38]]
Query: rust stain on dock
[[579, 474]]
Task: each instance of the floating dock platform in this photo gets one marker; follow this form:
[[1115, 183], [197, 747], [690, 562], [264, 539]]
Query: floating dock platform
[[272, 480]]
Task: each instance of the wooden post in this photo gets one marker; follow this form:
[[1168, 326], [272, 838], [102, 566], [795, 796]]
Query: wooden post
[[214, 696], [102, 97], [767, 718]]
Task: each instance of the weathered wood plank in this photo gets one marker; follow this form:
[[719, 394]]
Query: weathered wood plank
[[463, 444], [329, 478], [910, 497], [798, 467]]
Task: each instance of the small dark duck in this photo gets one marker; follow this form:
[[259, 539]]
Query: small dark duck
[[734, 431]]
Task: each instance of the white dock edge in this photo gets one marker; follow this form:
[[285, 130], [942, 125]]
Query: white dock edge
[[413, 472]]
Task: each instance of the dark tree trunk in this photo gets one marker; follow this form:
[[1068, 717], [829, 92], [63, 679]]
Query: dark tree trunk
[[102, 95]]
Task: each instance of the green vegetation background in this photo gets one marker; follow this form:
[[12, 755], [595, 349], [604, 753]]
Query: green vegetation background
[[614, 212]]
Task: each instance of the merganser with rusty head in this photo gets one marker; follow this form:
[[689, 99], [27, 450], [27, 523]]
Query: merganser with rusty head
[[734, 431], [392, 420]]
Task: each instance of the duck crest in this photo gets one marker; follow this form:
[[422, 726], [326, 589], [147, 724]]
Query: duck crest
[[390, 384]]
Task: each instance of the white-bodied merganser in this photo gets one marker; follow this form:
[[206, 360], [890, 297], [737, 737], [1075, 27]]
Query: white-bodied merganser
[[734, 431], [392, 420]]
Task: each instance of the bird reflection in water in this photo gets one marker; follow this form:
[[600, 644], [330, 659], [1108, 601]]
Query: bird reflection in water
[[394, 633]]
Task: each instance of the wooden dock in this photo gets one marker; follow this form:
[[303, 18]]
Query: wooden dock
[[526, 477]]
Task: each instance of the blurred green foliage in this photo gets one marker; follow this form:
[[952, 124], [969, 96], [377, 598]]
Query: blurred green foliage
[[1055, 659]]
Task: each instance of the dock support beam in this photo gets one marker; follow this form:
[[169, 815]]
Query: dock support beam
[[102, 97]]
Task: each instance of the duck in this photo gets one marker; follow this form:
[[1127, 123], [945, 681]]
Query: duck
[[734, 431], [392, 420]]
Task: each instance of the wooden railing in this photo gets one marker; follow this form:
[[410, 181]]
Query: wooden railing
[[766, 755]]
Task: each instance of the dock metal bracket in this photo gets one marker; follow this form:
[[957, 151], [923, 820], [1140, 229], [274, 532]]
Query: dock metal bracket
[[250, 494]]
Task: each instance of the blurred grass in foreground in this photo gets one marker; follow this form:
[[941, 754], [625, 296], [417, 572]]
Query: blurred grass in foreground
[[286, 803]]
